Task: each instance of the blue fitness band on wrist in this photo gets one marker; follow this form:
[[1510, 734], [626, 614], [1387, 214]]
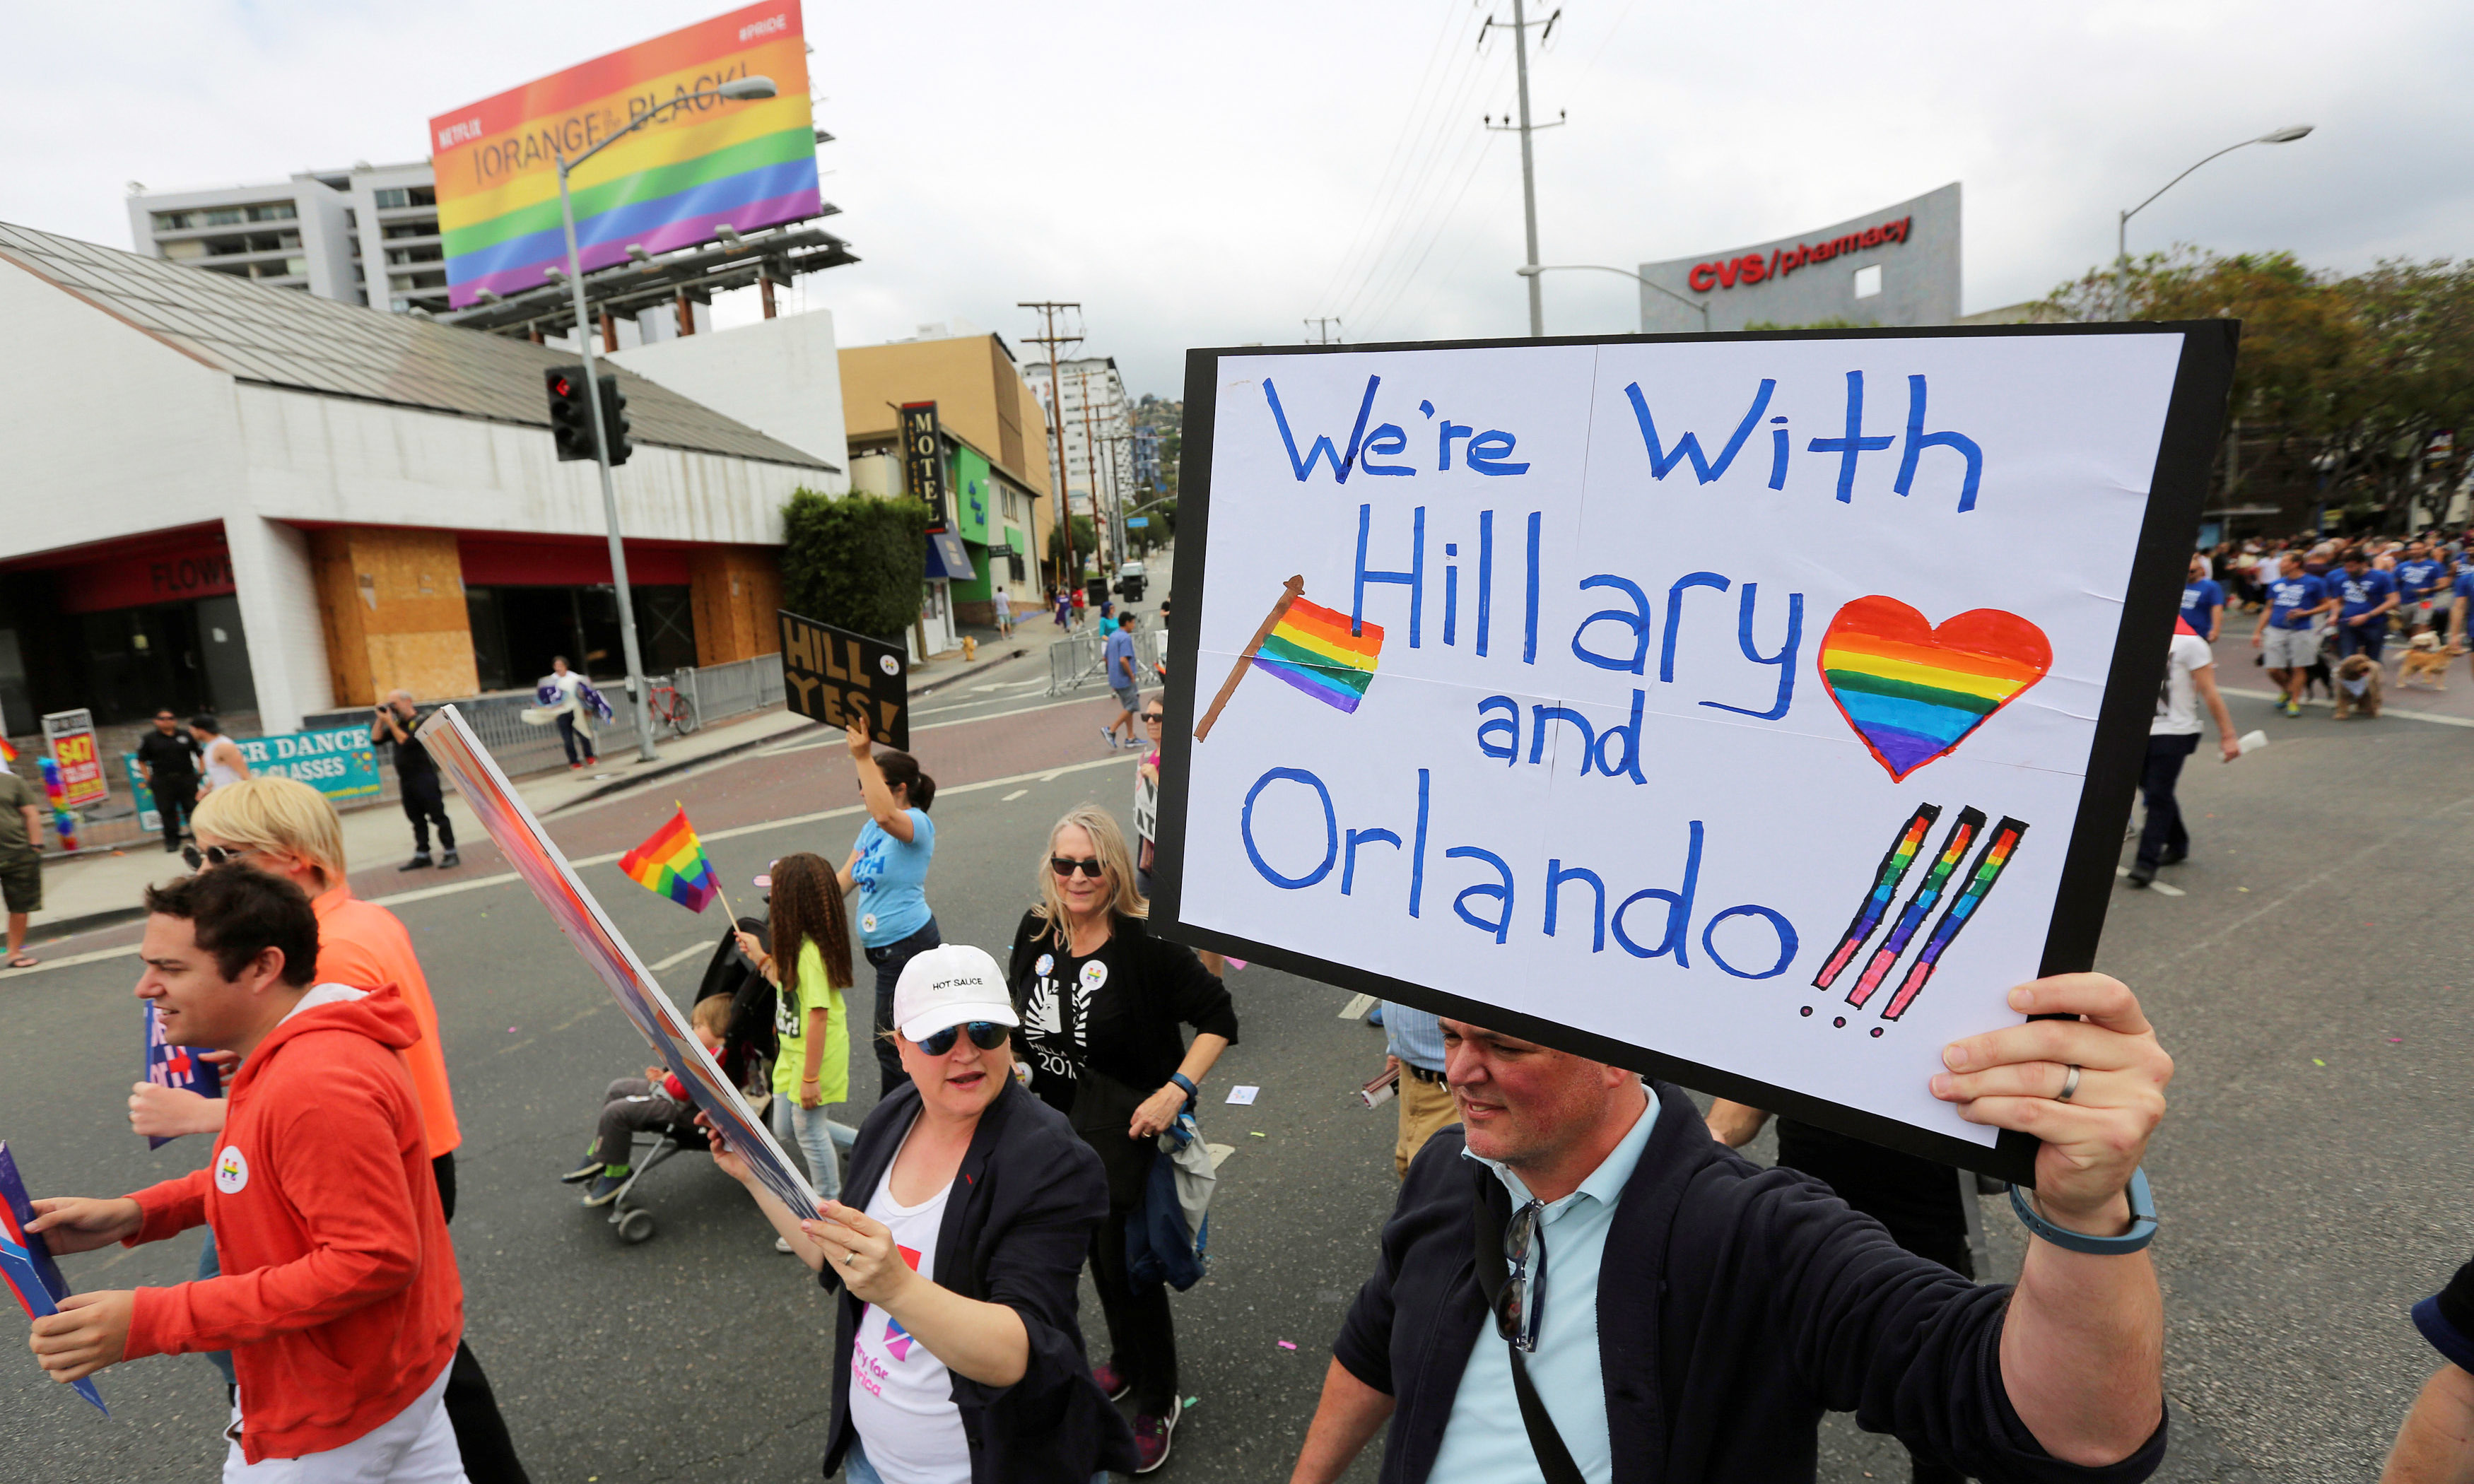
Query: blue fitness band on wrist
[[2143, 1223], [1192, 1093]]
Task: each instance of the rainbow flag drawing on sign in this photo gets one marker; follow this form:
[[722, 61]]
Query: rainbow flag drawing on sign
[[672, 864], [1312, 648]]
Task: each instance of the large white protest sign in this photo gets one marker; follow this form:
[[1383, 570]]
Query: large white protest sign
[[543, 866], [1753, 709]]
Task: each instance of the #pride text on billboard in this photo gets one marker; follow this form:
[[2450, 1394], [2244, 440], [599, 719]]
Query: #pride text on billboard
[[747, 164]]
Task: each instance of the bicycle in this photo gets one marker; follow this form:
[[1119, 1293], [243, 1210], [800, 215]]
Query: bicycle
[[672, 709]]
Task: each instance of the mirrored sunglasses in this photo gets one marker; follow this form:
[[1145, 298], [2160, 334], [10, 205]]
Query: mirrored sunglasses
[[987, 1034]]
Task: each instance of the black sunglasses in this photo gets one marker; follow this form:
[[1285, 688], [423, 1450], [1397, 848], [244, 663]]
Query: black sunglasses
[[1066, 866], [212, 855], [1513, 1303], [987, 1034], [1154, 718]]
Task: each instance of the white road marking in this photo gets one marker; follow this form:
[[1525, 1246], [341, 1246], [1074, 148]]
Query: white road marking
[[683, 955], [2158, 887], [1357, 1006], [1016, 794], [2434, 717]]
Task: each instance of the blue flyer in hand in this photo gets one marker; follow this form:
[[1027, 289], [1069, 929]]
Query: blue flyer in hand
[[176, 1067], [26, 1264], [19, 1266]]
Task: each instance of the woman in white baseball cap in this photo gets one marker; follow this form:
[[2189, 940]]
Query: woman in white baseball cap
[[958, 1264]]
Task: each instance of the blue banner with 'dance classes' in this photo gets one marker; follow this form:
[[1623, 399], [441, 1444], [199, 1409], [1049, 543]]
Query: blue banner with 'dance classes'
[[338, 762]]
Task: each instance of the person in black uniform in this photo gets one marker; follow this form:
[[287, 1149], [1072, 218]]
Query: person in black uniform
[[423, 802], [1916, 1199], [167, 758]]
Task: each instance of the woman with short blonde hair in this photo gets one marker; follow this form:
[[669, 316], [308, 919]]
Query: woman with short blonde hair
[[277, 819]]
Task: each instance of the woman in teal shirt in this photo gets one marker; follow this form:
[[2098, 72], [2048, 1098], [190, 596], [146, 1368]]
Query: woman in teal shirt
[[888, 864]]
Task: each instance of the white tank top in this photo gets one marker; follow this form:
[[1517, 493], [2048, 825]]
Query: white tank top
[[219, 771]]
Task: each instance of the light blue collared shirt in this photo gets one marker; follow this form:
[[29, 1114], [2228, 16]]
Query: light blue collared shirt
[[1414, 1035], [1485, 1442]]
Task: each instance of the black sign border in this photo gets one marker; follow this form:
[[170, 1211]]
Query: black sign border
[[875, 648], [2193, 423]]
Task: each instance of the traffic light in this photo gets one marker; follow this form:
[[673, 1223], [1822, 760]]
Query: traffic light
[[614, 420], [570, 417]]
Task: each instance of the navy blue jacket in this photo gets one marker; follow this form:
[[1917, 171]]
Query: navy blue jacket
[[1735, 1305], [1015, 1234]]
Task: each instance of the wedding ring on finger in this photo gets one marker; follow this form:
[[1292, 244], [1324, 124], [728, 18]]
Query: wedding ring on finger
[[2070, 1085]]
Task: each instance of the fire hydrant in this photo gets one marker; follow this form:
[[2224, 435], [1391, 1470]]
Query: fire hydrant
[[970, 649]]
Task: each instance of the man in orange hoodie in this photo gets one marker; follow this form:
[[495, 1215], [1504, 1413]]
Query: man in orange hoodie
[[338, 1298]]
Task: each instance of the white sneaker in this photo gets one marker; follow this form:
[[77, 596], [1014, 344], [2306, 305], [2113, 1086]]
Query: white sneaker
[[782, 1244]]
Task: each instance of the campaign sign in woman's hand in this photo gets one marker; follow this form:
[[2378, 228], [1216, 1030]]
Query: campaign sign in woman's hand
[[860, 1250], [730, 1161]]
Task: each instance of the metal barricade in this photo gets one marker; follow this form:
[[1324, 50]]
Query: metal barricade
[[734, 689], [1074, 663]]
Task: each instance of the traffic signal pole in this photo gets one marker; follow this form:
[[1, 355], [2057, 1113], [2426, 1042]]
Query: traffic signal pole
[[639, 699]]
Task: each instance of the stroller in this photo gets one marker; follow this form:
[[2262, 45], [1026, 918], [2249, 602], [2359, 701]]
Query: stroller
[[747, 1058]]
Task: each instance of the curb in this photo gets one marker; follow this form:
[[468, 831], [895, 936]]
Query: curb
[[92, 922]]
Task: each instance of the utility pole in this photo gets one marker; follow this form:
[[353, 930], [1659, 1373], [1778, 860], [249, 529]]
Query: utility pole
[[1049, 310], [1520, 24], [1324, 335]]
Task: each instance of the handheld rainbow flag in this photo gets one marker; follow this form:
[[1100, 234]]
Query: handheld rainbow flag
[[8, 754], [672, 864], [1310, 647]]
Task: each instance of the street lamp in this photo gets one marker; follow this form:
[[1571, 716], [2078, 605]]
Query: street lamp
[[734, 90], [2121, 225], [1532, 272]]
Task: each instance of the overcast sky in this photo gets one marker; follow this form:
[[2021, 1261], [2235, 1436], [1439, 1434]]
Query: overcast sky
[[1201, 176]]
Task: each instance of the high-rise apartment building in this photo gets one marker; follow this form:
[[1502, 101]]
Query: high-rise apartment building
[[367, 235], [1099, 429]]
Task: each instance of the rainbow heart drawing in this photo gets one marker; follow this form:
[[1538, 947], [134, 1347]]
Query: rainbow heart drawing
[[1914, 692]]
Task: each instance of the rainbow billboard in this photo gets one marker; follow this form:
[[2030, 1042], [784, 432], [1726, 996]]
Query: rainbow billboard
[[667, 185]]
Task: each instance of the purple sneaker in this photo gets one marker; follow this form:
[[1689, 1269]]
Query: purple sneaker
[[1110, 1381], [1151, 1437]]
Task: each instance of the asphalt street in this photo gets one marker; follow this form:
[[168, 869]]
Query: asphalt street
[[2314, 1173]]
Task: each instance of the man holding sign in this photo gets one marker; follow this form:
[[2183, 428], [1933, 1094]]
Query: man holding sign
[[1754, 1300]]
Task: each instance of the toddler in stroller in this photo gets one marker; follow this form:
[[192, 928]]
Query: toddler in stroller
[[634, 1105]]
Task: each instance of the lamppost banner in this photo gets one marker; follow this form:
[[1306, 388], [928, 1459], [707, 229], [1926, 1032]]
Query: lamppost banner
[[716, 162], [1755, 711]]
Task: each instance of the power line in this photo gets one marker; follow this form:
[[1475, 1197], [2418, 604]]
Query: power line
[[1417, 205], [1324, 336], [1408, 129], [1405, 201]]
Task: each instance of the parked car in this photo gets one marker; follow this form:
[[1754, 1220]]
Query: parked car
[[1129, 582]]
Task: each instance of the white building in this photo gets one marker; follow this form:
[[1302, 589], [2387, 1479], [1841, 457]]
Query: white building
[[1099, 426], [223, 496], [367, 235]]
